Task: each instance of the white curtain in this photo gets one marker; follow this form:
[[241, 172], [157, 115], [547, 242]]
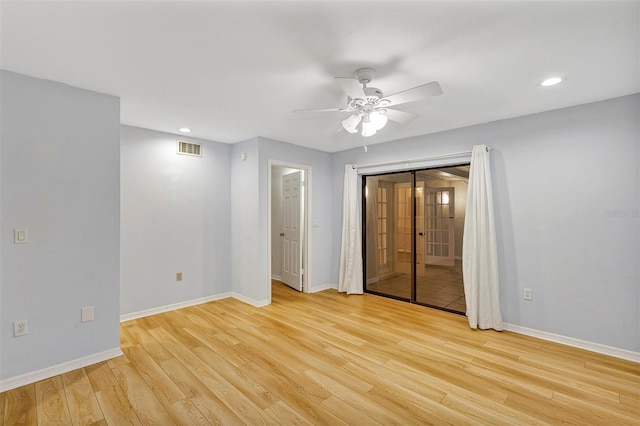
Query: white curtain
[[350, 278], [479, 252]]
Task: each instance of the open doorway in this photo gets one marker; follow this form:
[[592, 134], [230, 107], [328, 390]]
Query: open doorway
[[413, 228], [289, 192]]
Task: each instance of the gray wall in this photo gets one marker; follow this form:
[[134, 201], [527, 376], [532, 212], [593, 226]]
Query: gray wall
[[321, 203], [557, 177], [175, 218], [60, 178], [250, 251], [245, 234]]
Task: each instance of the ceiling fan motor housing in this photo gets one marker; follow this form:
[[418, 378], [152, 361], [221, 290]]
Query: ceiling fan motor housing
[[372, 92], [373, 99], [364, 75]]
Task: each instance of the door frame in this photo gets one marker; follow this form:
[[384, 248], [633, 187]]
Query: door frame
[[306, 244]]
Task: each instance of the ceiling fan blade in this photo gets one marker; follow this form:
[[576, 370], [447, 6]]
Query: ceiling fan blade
[[324, 110], [401, 117], [415, 94], [351, 87]]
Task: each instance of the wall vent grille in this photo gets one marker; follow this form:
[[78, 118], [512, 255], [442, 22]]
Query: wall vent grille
[[189, 148]]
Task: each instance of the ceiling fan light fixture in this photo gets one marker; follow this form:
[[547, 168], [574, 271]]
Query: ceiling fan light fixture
[[368, 129], [368, 107], [350, 123], [378, 119]]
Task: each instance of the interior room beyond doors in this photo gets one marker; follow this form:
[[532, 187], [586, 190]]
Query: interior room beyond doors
[[413, 227]]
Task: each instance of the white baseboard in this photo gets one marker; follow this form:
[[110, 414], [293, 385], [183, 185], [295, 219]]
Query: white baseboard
[[65, 367], [323, 287], [192, 302], [173, 307], [250, 301], [576, 343], [276, 277]]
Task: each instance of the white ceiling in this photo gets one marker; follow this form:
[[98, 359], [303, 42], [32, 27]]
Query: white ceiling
[[233, 70]]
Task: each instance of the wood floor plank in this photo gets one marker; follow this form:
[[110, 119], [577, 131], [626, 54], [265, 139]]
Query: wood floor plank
[[238, 378], [596, 412], [580, 373], [632, 403], [557, 382], [512, 383], [83, 405], [119, 360], [208, 320], [21, 406], [487, 413], [142, 337], [285, 415], [3, 400], [354, 399], [631, 374], [163, 387], [233, 398], [176, 348], [213, 409], [186, 413], [330, 359], [348, 413], [304, 349], [116, 407], [296, 390], [219, 344], [52, 407], [146, 404], [452, 377], [126, 339], [100, 376]]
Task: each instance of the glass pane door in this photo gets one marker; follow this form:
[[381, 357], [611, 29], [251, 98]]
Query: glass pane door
[[439, 281], [388, 221], [413, 224]]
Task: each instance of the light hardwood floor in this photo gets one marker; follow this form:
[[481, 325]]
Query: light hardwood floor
[[328, 358]]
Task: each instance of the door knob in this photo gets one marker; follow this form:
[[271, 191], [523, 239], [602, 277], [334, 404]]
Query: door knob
[[420, 233], [282, 234]]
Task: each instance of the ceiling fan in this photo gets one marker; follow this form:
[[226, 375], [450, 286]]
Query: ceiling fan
[[369, 107]]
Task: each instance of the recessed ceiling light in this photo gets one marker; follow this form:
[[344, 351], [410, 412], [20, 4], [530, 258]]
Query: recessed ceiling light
[[185, 130], [551, 81]]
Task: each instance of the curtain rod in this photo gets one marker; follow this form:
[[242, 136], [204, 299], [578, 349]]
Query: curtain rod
[[413, 160]]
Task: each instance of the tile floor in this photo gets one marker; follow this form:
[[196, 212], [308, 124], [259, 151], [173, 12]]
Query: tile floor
[[439, 286]]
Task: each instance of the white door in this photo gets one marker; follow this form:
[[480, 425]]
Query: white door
[[440, 226], [292, 249]]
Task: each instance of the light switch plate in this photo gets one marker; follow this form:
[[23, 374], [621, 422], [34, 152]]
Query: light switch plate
[[20, 236], [87, 313]]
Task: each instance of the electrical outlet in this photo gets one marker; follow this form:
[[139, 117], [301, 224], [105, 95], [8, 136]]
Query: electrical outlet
[[20, 236], [20, 328], [178, 276], [527, 294]]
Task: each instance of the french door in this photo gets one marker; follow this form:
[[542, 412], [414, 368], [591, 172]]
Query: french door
[[440, 226]]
